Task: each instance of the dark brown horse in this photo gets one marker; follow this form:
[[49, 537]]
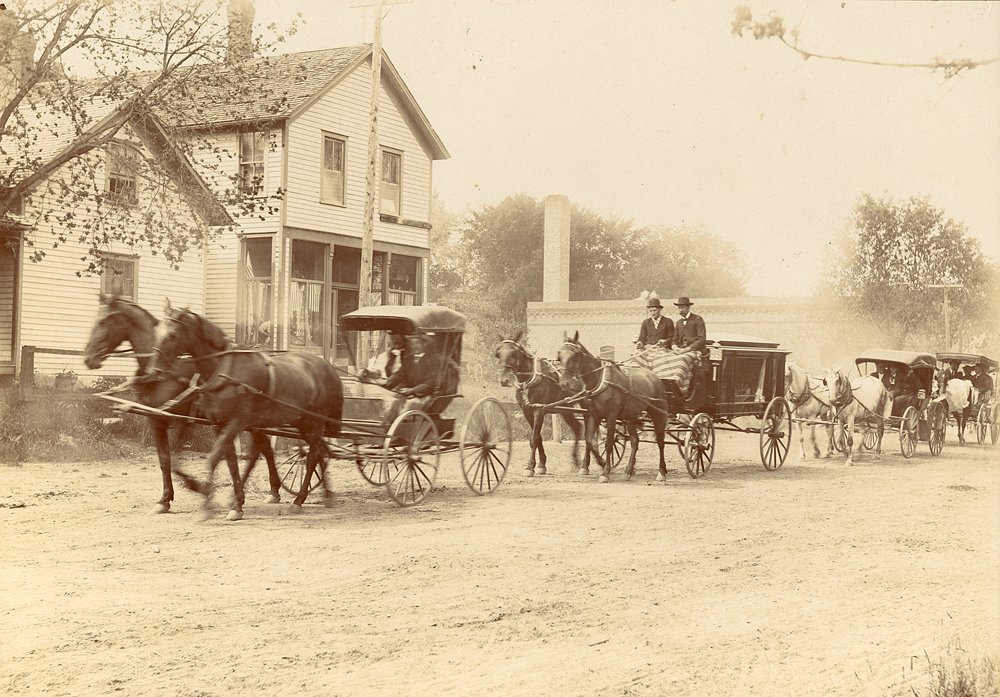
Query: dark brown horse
[[614, 395], [121, 320], [247, 389], [535, 382]]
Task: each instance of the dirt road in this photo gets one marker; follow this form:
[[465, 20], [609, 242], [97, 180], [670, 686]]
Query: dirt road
[[813, 580]]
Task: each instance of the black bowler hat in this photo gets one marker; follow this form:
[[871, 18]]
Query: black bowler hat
[[684, 301]]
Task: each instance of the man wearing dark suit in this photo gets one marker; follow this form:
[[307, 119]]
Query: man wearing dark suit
[[655, 329], [689, 333]]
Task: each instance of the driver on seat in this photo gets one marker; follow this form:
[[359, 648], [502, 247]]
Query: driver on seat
[[417, 386], [690, 329]]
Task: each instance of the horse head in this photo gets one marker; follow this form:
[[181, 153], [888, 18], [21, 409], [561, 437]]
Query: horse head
[[838, 387], [512, 357], [796, 383], [576, 361], [119, 320], [187, 333]]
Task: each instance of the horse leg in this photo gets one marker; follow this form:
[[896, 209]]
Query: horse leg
[[802, 437], [161, 435], [260, 445], [224, 448], [609, 448], [317, 448], [589, 427], [574, 426], [539, 444], [633, 439], [849, 439]]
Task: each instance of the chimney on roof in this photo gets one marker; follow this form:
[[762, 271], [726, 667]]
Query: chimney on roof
[[240, 14], [17, 55]]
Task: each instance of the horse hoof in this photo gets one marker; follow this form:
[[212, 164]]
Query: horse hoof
[[274, 498], [541, 470], [604, 479], [234, 515], [161, 508], [328, 501], [529, 473], [660, 477], [583, 470], [295, 508]]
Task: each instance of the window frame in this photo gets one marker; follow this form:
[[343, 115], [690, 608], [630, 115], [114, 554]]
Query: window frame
[[244, 333], [108, 289], [125, 195], [398, 198], [324, 172], [256, 186]]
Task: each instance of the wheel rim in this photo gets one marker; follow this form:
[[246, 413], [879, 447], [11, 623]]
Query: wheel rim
[[485, 446], [617, 447], [411, 454], [374, 469], [908, 432], [699, 446], [868, 441], [994, 433], [982, 423], [775, 434]]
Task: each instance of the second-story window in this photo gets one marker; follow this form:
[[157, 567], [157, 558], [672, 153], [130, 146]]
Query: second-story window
[[389, 186], [252, 149], [123, 169], [332, 184]]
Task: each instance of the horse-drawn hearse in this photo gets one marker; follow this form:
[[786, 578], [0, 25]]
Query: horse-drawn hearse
[[194, 374], [908, 377], [742, 378], [981, 372]]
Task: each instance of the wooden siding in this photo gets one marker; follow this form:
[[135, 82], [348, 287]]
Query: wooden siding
[[58, 308], [8, 277], [222, 255], [344, 111]]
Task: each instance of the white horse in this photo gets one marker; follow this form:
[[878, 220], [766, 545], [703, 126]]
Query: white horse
[[861, 398], [809, 402], [957, 395]]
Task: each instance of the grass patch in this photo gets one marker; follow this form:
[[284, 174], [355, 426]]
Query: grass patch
[[955, 673]]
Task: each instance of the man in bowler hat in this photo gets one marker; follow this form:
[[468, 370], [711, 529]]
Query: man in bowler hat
[[655, 329], [689, 334]]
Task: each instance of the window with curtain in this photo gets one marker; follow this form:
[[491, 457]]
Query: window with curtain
[[389, 186], [305, 322], [255, 323], [119, 276], [252, 148], [332, 176]]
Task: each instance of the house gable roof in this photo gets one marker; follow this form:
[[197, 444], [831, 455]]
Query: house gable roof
[[285, 87]]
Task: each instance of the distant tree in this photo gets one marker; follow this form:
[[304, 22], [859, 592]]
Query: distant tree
[[447, 267], [603, 254], [891, 256], [774, 28], [143, 56], [686, 261]]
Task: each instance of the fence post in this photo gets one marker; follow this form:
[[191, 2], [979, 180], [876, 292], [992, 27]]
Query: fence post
[[26, 375]]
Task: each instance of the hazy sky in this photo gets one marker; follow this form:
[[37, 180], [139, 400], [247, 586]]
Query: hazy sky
[[652, 110]]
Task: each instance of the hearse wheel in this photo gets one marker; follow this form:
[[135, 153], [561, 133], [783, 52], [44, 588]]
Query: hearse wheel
[[775, 434], [699, 445]]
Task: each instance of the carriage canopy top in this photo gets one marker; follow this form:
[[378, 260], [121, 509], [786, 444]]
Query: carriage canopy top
[[968, 359], [913, 359], [404, 319]]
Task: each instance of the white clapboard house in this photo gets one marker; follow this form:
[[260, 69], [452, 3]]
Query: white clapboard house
[[279, 276]]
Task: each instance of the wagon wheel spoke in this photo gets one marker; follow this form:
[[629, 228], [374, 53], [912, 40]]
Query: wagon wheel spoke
[[411, 455], [775, 434], [699, 446], [292, 470], [908, 432], [485, 446]]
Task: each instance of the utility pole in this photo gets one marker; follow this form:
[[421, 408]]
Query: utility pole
[[947, 325]]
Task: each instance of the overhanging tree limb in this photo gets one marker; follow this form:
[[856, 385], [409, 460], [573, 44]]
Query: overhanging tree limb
[[774, 28]]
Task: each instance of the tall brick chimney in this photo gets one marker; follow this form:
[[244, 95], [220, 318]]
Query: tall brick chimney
[[555, 261], [240, 14]]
